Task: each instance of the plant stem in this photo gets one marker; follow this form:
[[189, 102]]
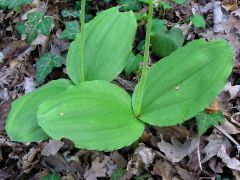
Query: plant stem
[[82, 12], [145, 61]]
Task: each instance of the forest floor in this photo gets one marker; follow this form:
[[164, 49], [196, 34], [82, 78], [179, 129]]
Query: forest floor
[[162, 153]]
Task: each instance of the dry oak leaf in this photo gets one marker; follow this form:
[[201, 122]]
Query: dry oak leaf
[[177, 151]]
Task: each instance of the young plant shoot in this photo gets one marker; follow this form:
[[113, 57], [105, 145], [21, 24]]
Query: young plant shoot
[[98, 115]]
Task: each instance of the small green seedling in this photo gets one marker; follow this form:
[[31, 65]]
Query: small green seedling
[[98, 115], [36, 23]]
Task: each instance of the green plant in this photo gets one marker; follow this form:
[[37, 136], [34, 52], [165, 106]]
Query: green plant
[[165, 41], [98, 115], [13, 3], [36, 23], [198, 21], [45, 65]]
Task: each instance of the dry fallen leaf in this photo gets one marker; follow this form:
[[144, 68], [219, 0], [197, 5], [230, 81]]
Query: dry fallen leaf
[[232, 163], [214, 143], [233, 90], [177, 151], [52, 148], [100, 168], [164, 169]]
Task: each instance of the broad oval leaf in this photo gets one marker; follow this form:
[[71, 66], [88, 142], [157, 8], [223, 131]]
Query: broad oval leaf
[[22, 122], [184, 83], [108, 43], [95, 115]]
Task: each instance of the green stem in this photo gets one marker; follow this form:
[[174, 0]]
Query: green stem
[[83, 4], [145, 61]]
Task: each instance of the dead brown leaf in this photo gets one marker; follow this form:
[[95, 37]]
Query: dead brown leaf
[[177, 151]]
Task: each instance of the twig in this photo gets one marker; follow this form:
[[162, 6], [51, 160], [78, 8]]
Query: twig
[[128, 85]]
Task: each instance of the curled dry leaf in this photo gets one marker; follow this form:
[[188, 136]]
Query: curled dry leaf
[[164, 169], [233, 90], [142, 158], [29, 160]]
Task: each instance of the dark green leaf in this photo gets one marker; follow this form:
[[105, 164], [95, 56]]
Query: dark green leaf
[[184, 83], [70, 13], [45, 66], [179, 1], [52, 176], [95, 115], [133, 63], [72, 28], [16, 3], [205, 121], [158, 26], [127, 5], [22, 125], [44, 26], [108, 43], [164, 43]]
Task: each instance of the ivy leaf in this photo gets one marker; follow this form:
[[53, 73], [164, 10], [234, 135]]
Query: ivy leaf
[[184, 83], [45, 66], [96, 115], [22, 125], [127, 5], [52, 176], [36, 23], [198, 21], [3, 4], [72, 28], [70, 13], [44, 26], [205, 121], [133, 63], [16, 3]]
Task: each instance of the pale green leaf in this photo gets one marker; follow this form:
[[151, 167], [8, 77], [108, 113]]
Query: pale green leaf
[[22, 125], [184, 83], [95, 115], [164, 43], [198, 21], [205, 121], [72, 28], [108, 43], [45, 66]]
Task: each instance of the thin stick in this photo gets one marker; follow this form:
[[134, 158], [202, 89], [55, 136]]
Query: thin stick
[[145, 61], [83, 5]]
